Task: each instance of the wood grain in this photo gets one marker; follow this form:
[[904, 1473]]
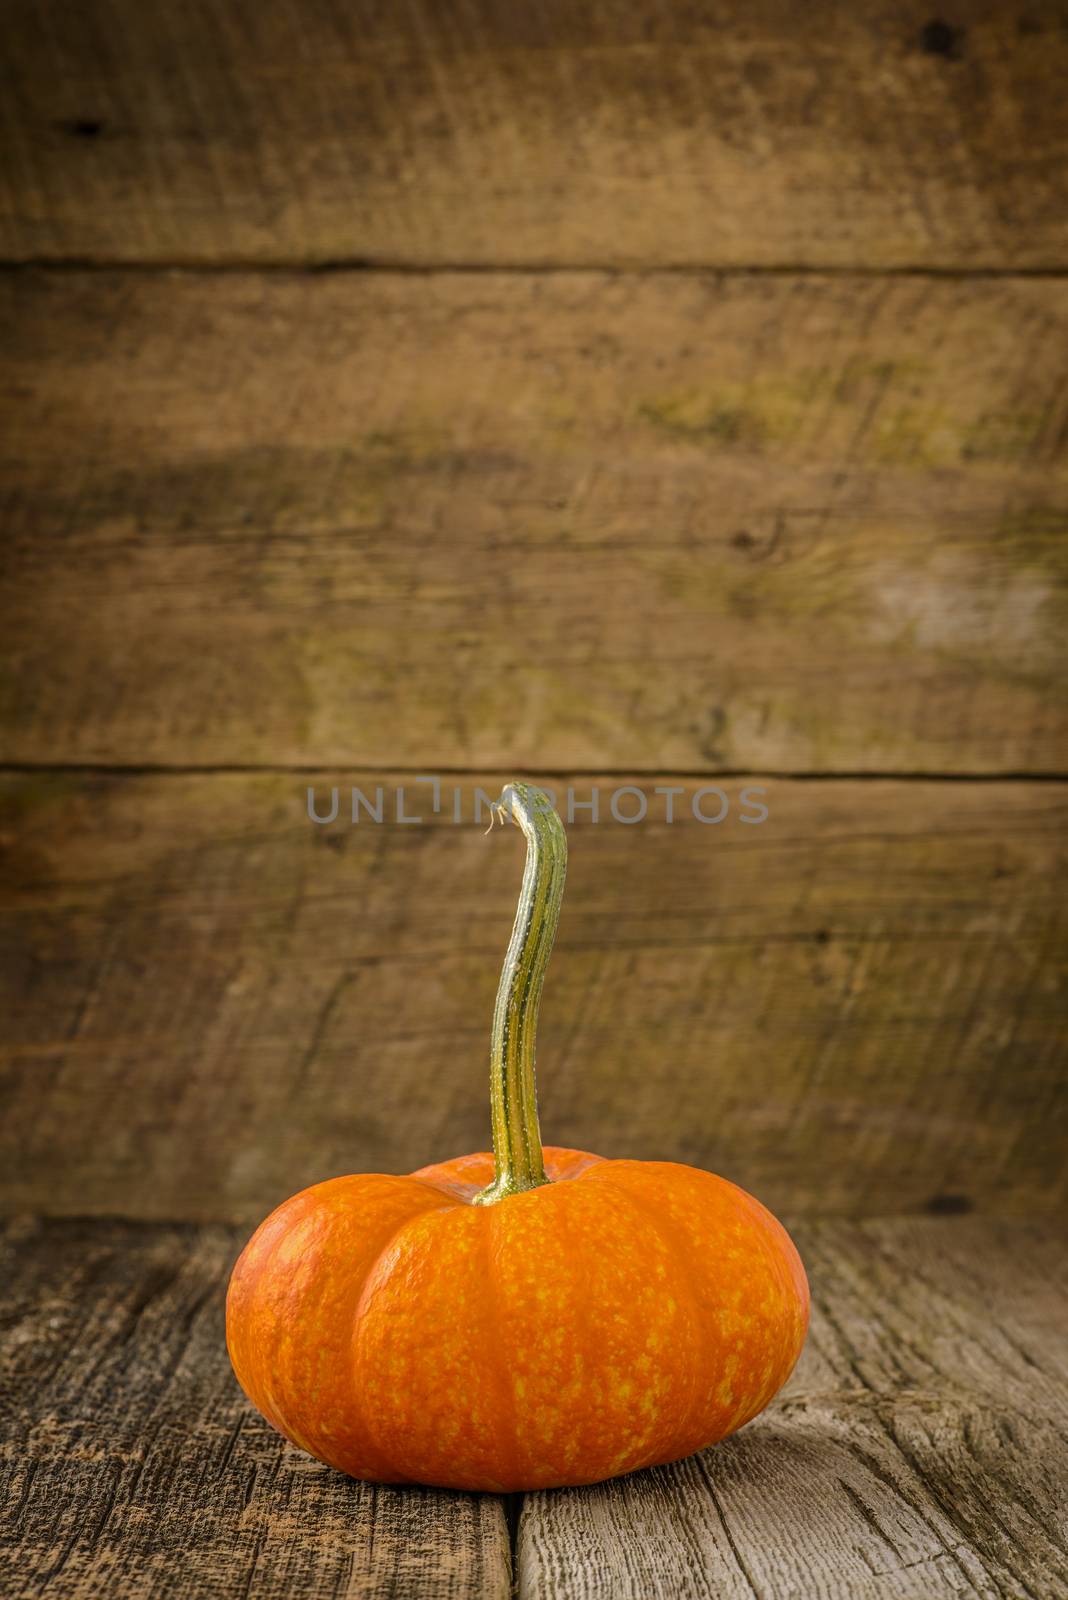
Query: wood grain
[[133, 1466], [855, 1007], [662, 524], [478, 131], [919, 1451]]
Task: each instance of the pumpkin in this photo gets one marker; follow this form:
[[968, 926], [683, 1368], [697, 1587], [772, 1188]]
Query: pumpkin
[[525, 1319]]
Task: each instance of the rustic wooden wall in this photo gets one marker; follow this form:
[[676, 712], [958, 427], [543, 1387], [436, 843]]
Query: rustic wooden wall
[[853, 1007], [578, 521], [686, 405], [852, 133]]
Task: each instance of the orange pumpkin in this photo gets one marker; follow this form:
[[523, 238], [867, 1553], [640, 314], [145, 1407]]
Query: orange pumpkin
[[524, 1319]]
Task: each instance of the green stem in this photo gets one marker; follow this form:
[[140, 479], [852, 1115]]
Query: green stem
[[513, 1095]]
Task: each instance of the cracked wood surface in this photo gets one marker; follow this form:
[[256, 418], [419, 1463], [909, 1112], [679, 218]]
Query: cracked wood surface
[[855, 1007], [133, 1466], [917, 1451], [920, 1450], [480, 131], [578, 521]]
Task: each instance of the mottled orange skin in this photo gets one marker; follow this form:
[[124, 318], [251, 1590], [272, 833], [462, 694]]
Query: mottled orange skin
[[625, 1314]]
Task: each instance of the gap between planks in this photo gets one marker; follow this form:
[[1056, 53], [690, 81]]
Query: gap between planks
[[300, 267], [320, 769]]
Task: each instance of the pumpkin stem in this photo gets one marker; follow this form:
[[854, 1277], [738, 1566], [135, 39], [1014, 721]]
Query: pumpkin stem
[[513, 1095]]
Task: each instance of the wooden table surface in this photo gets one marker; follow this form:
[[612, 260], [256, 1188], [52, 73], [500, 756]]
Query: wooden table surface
[[919, 1450], [643, 396]]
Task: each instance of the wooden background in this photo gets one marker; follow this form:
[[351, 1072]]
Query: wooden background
[[663, 395], [685, 402]]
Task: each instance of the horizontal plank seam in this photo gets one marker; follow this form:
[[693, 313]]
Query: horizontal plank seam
[[430, 768], [312, 267], [1038, 1216]]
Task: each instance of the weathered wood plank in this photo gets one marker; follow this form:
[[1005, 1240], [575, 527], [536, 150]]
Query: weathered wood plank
[[664, 524], [131, 1464], [856, 1006], [920, 1450], [872, 134]]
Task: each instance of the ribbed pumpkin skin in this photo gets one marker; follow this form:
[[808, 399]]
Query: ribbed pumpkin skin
[[625, 1314]]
